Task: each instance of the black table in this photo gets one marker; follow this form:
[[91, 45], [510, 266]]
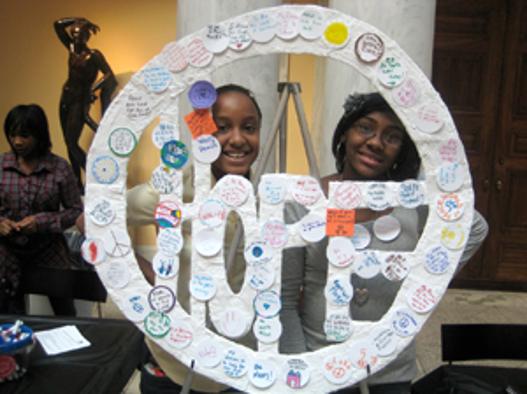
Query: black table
[[104, 367]]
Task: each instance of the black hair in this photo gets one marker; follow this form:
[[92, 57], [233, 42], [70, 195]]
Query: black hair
[[29, 118], [359, 105], [239, 89]]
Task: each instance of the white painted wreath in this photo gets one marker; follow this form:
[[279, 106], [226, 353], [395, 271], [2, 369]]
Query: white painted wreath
[[425, 272]]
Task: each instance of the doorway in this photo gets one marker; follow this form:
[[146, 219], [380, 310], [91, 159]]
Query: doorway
[[480, 70]]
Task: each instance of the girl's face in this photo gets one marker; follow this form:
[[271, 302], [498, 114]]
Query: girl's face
[[238, 133], [23, 143], [372, 144]]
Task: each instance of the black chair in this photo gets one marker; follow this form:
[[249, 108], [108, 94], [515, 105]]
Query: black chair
[[469, 342], [80, 281]]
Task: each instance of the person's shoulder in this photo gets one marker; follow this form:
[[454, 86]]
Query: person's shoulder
[[56, 162]]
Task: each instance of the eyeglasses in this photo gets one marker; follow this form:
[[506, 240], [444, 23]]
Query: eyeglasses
[[390, 137]]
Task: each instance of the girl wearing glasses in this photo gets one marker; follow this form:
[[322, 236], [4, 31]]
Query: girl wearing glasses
[[370, 143]]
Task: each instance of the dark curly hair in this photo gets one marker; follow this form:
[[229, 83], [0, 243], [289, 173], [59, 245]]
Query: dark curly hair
[[29, 118], [358, 105]]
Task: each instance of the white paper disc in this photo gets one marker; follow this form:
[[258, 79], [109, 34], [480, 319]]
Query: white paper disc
[[208, 242], [387, 228]]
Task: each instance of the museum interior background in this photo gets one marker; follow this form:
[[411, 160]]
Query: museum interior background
[[479, 67]]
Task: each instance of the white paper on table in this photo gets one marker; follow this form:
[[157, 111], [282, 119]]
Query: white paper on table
[[61, 340]]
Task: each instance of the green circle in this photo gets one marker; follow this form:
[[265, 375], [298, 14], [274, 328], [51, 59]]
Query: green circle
[[122, 132], [157, 324]]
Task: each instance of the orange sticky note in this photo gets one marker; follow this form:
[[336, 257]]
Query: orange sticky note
[[200, 122], [340, 222]]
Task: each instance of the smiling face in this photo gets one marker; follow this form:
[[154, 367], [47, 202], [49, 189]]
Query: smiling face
[[238, 133], [372, 146]]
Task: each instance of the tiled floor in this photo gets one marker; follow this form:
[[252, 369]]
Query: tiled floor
[[458, 306]]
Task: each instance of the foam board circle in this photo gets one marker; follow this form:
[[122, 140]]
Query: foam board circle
[[126, 278]]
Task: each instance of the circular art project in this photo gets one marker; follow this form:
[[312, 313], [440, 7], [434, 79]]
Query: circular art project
[[424, 273]]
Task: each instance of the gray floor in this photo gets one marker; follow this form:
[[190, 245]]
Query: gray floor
[[458, 306]]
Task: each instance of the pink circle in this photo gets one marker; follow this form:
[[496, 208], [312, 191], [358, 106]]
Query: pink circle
[[175, 57]]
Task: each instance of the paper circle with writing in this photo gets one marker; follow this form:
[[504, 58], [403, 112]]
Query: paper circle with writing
[[206, 149], [122, 142], [140, 107], [202, 95]]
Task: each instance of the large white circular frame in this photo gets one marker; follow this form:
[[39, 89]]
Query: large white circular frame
[[155, 91]]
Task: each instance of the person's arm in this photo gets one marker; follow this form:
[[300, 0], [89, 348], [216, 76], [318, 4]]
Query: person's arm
[[107, 83], [7, 226], [70, 198], [478, 233], [293, 259], [141, 201], [61, 26]]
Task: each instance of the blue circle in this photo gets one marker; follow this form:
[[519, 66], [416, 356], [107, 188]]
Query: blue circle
[[174, 154], [105, 170], [202, 95]]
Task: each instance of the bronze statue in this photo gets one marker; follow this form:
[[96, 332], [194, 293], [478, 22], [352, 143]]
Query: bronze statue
[[79, 91]]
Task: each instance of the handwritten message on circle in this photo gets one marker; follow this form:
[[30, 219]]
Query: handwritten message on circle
[[337, 327], [429, 118], [170, 241], [339, 290], [340, 252], [369, 47], [267, 330], [347, 195], [312, 24], [411, 194], [202, 287], [216, 39], [164, 180], [212, 213], [175, 57], [180, 335], [239, 36], [395, 267], [162, 299], [197, 54], [407, 93], [157, 79], [262, 27], [234, 190], [306, 191], [391, 72], [272, 190], [202, 94], [450, 177], [122, 142], [206, 149], [137, 107], [436, 260], [312, 228]]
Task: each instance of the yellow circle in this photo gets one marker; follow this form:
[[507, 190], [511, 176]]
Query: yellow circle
[[336, 33]]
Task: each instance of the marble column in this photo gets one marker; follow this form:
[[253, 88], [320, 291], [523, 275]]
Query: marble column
[[259, 74], [409, 22]]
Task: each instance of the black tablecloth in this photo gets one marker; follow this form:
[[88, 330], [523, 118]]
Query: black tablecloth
[[104, 367]]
